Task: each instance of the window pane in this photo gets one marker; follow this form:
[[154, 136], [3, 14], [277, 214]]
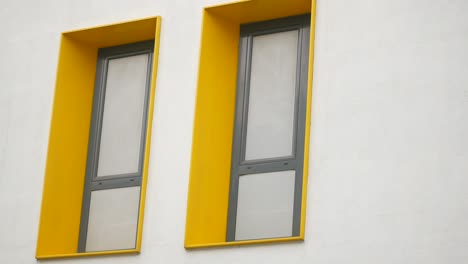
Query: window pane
[[113, 219], [123, 115], [270, 124], [265, 205]]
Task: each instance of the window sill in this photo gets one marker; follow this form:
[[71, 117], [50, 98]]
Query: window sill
[[88, 254], [244, 242]]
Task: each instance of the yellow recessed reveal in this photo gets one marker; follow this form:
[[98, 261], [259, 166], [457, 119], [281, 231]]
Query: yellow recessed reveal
[[208, 197], [69, 133]]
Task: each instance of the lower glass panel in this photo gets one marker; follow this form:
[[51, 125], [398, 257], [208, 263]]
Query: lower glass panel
[[265, 205], [113, 219]]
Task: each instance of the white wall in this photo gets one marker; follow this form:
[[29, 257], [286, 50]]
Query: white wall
[[389, 139]]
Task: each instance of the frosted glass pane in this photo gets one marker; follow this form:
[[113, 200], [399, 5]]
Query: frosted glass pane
[[265, 205], [123, 115], [113, 218], [270, 124]]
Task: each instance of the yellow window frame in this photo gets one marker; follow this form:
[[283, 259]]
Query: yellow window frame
[[208, 193], [69, 132]]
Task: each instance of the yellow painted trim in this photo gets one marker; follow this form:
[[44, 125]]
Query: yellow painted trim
[[116, 34], [208, 193], [308, 117], [67, 151], [248, 11], [69, 132], [212, 134], [149, 129], [108, 26]]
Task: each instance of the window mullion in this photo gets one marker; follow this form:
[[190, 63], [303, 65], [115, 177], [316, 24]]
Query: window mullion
[[281, 165], [115, 183]]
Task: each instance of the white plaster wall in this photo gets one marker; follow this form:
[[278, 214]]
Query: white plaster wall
[[389, 139]]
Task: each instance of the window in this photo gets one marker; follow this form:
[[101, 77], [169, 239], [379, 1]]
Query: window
[[116, 148], [233, 161], [99, 113], [268, 146]]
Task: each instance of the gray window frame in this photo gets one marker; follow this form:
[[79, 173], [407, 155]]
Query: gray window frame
[[241, 167], [92, 182]]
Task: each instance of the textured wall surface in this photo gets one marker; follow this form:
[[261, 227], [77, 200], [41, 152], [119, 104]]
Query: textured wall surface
[[389, 146]]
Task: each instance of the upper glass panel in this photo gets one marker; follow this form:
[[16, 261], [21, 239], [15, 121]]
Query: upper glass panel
[[121, 136], [270, 123]]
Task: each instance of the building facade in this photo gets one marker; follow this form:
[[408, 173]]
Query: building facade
[[378, 142]]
